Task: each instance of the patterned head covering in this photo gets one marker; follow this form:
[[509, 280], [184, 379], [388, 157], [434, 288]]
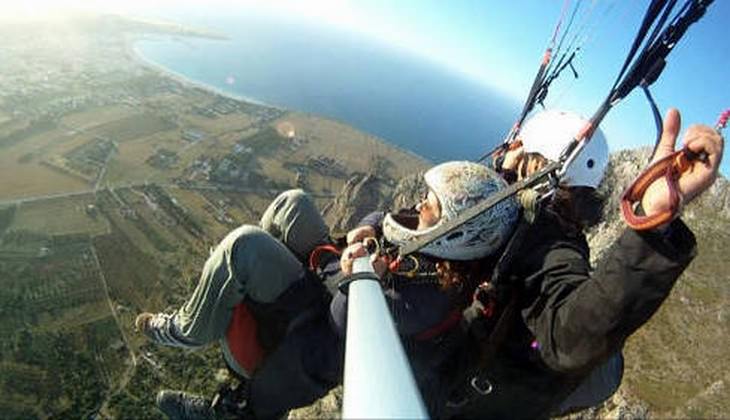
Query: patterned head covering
[[460, 185]]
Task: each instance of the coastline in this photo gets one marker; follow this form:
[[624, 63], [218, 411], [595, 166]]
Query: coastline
[[136, 55]]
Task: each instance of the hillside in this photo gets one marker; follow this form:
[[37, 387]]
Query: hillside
[[678, 364]]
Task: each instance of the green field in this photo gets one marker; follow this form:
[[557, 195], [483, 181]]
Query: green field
[[23, 170], [64, 373], [96, 117], [129, 164], [58, 351], [60, 216], [4, 117], [7, 214], [133, 127], [32, 129]]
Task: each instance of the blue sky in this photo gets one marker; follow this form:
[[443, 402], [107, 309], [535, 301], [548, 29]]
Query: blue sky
[[500, 43]]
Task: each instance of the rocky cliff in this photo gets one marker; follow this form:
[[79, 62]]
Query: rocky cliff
[[361, 195], [677, 365], [365, 193]]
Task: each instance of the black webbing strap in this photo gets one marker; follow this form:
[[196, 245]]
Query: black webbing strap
[[344, 284], [646, 69], [657, 117], [650, 63], [537, 83]]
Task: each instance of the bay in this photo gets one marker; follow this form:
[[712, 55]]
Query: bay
[[410, 101]]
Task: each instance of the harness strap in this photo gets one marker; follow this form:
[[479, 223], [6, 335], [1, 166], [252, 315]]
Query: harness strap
[[472, 382], [317, 253], [670, 167], [489, 348], [451, 321]]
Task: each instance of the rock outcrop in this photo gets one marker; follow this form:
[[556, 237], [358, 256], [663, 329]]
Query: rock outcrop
[[675, 366], [361, 195]]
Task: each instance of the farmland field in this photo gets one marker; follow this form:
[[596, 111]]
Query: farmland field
[[4, 117], [220, 125], [197, 204], [133, 127], [60, 344], [60, 216], [23, 173], [328, 137], [24, 130], [129, 164], [116, 180], [96, 117]]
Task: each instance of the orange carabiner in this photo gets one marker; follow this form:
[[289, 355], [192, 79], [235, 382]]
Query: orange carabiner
[[670, 167]]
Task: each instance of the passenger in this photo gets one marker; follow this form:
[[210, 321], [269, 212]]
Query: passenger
[[262, 267], [256, 297], [578, 206], [427, 292], [565, 324]]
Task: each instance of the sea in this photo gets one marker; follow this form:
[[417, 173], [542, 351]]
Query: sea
[[415, 103]]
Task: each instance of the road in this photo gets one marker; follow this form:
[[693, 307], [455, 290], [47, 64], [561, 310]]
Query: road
[[129, 372], [24, 200], [208, 187]]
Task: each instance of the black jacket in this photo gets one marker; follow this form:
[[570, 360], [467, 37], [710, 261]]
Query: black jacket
[[571, 319], [416, 305]]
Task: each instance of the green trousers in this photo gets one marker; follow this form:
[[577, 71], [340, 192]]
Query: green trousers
[[254, 262]]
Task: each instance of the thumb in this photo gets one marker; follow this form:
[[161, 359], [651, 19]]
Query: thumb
[[670, 131]]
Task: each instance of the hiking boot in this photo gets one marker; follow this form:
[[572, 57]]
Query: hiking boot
[[160, 329], [231, 401], [178, 405], [140, 324]]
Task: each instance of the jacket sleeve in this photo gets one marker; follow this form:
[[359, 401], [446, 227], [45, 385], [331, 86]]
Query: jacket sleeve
[[374, 219], [414, 308], [579, 318]]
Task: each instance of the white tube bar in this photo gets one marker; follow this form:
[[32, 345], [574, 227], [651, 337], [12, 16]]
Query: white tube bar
[[378, 381]]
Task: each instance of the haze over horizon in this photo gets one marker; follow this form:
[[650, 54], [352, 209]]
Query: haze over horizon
[[470, 37]]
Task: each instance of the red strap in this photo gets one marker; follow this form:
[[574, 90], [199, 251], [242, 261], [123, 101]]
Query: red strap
[[722, 121], [394, 264], [317, 252], [670, 167], [448, 323]]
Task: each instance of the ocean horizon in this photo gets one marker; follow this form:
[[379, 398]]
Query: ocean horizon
[[404, 99]]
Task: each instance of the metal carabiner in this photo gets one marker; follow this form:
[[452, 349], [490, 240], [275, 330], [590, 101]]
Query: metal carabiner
[[483, 388], [372, 245], [411, 273]]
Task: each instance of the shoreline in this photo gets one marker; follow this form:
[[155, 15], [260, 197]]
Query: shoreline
[[136, 55]]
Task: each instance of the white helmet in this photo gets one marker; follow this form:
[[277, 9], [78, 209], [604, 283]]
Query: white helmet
[[549, 132], [459, 186]]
